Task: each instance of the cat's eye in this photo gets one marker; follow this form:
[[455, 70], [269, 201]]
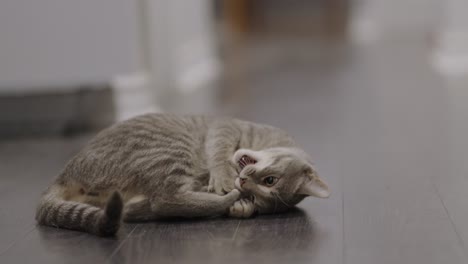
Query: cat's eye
[[270, 180]]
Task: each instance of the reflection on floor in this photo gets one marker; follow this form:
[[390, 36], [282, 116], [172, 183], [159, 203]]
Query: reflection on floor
[[385, 130]]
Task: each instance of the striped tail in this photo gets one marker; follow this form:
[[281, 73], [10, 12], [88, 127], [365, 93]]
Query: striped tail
[[54, 211]]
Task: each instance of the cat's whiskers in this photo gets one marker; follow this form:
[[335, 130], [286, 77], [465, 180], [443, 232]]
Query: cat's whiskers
[[277, 196], [276, 202]]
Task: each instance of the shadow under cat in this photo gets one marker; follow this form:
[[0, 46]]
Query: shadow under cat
[[285, 237]]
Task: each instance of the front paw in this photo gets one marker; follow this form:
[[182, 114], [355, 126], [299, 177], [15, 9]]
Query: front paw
[[221, 186], [244, 208]]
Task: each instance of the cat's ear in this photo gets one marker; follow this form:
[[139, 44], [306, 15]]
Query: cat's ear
[[314, 186]]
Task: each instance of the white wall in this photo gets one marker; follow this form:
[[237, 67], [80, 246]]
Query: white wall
[[60, 43], [145, 48], [181, 45], [179, 59]]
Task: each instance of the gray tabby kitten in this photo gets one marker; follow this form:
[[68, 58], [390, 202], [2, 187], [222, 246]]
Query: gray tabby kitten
[[161, 166]]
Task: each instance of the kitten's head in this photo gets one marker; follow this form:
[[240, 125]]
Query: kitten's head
[[277, 178]]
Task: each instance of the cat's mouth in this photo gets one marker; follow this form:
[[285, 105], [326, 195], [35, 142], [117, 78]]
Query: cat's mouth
[[246, 160]]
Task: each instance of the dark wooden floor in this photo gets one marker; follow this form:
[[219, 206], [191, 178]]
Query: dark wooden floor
[[388, 134]]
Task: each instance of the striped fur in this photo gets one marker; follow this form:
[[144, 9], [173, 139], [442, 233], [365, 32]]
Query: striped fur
[[54, 211], [155, 166]]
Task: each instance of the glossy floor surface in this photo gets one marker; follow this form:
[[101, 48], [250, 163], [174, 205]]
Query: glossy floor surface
[[386, 131]]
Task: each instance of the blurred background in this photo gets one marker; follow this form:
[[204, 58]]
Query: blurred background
[[70, 66], [375, 90]]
